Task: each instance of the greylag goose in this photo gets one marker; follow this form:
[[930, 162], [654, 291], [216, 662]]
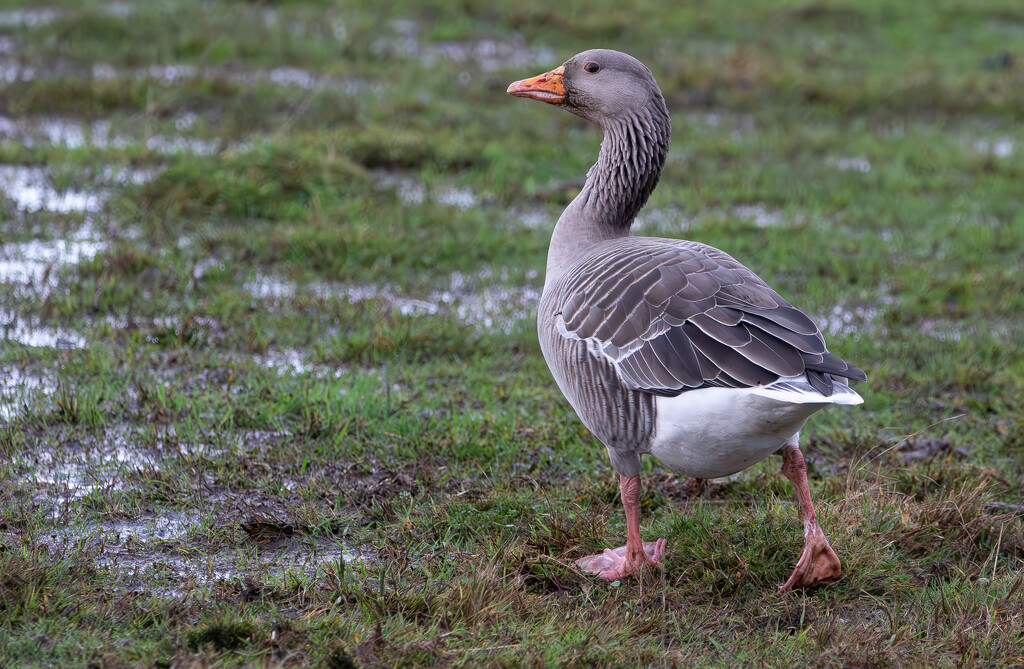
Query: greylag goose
[[667, 347]]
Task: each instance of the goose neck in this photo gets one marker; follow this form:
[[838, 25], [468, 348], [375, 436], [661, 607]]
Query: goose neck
[[633, 154]]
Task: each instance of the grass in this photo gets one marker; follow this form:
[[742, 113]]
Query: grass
[[274, 397]]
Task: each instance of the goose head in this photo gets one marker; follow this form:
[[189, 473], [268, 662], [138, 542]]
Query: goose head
[[600, 85]]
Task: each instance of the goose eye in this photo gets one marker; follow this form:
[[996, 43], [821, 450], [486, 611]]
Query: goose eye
[[592, 67]]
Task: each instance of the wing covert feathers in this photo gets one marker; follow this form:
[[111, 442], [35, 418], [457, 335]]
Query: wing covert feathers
[[675, 315]]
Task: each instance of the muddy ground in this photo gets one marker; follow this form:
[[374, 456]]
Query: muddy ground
[[270, 393]]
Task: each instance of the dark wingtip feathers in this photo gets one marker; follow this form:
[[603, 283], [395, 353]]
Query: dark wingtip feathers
[[819, 374]]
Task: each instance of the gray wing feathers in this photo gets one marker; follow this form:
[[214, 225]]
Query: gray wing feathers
[[677, 315]]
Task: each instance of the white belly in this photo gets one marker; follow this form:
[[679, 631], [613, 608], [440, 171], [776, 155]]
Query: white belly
[[716, 432]]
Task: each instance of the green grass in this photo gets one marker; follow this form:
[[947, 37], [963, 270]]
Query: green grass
[[293, 412]]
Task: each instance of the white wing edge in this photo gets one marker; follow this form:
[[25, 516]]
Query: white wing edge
[[796, 390]]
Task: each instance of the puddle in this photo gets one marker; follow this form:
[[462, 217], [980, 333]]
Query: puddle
[[473, 299], [153, 554], [487, 55], [121, 10], [535, 218], [57, 131], [32, 191], [32, 263], [1007, 26], [292, 76], [760, 215], [128, 175], [102, 464], [61, 132], [280, 291], [167, 526], [1001, 147], [409, 190], [75, 133], [304, 79], [112, 459], [945, 330], [723, 119], [671, 220], [28, 18], [848, 321], [287, 361], [490, 307], [412, 191], [493, 307], [22, 330], [287, 77], [856, 320], [200, 147], [850, 164], [267, 288], [142, 567], [490, 55], [293, 361], [165, 553], [17, 389], [31, 266], [954, 331], [12, 70], [404, 305]]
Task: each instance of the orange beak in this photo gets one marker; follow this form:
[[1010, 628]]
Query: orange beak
[[548, 87]]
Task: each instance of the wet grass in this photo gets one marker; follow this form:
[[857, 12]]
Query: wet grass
[[271, 394]]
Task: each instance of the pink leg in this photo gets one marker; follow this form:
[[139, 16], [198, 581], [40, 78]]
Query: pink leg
[[629, 559], [818, 562]]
